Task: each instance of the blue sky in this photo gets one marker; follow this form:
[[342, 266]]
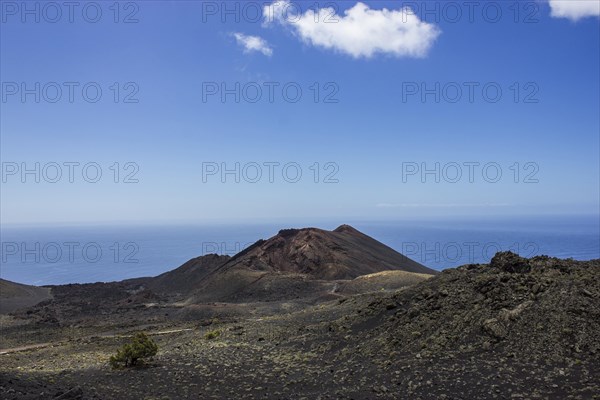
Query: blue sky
[[367, 139]]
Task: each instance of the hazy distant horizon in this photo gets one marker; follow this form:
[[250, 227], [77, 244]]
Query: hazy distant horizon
[[194, 115], [306, 221], [55, 255]]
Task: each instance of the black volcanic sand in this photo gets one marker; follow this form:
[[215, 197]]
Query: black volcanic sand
[[514, 329]]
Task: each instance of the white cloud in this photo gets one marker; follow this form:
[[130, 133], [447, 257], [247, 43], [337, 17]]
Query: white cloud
[[360, 32], [574, 9], [253, 43]]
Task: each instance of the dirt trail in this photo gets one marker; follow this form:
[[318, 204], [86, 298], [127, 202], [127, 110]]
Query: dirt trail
[[23, 348], [104, 336]]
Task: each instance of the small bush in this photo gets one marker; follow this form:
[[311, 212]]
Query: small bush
[[140, 347], [212, 335]]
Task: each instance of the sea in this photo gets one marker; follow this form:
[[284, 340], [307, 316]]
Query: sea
[[52, 255]]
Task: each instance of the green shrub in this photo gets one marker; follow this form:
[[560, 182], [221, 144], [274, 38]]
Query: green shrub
[[140, 347], [212, 335]]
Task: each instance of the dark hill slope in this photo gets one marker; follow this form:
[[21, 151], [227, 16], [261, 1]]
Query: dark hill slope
[[343, 253], [14, 296], [301, 263], [514, 328], [188, 276]]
